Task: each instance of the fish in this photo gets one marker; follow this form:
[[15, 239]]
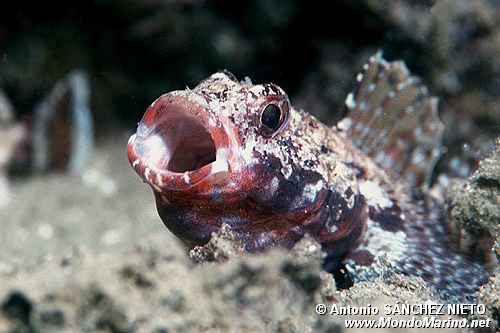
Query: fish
[[59, 130], [238, 154], [62, 131], [57, 136]]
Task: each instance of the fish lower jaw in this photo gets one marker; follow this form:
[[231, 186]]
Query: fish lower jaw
[[152, 168]]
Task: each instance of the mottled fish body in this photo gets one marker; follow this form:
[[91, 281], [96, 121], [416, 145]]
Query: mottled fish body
[[235, 153]]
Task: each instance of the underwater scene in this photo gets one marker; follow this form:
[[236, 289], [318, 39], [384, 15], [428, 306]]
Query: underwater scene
[[250, 166]]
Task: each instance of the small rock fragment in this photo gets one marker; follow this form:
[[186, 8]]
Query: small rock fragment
[[222, 246]]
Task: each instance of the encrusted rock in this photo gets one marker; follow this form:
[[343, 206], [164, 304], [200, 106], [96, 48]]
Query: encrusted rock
[[475, 204]]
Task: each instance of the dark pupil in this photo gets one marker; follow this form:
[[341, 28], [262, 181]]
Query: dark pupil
[[271, 116]]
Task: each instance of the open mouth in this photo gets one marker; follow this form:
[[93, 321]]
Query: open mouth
[[178, 143]]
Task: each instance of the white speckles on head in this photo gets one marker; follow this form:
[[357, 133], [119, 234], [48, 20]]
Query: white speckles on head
[[258, 90], [225, 112], [271, 188], [186, 178], [374, 194], [273, 185], [332, 226], [310, 191], [247, 154], [341, 180], [286, 170], [359, 77], [402, 85], [248, 81], [219, 76], [196, 99]]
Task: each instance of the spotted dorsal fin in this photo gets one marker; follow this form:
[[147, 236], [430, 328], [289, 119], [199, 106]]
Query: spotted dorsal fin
[[391, 117]]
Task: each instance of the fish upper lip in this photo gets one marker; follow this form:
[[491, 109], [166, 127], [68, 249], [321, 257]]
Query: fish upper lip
[[165, 163]]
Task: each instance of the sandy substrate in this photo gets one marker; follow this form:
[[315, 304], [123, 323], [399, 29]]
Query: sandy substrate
[[87, 253]]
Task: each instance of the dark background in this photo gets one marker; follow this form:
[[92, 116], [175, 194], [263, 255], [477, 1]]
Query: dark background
[[136, 50], [87, 252]]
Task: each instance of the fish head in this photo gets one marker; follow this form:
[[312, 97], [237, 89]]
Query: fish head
[[226, 152]]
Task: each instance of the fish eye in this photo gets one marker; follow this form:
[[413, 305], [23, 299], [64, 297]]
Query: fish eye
[[271, 116]]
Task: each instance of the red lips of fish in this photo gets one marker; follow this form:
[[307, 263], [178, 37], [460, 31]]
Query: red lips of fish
[[180, 145]]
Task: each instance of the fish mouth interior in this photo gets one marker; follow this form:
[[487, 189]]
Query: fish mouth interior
[[179, 141]]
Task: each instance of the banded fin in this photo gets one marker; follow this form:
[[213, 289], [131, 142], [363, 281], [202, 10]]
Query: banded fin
[[392, 118]]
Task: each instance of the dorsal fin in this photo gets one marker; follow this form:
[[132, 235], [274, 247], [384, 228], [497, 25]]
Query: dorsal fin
[[392, 118], [62, 133]]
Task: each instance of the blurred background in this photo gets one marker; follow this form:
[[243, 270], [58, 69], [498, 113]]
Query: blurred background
[[86, 251], [136, 50]]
